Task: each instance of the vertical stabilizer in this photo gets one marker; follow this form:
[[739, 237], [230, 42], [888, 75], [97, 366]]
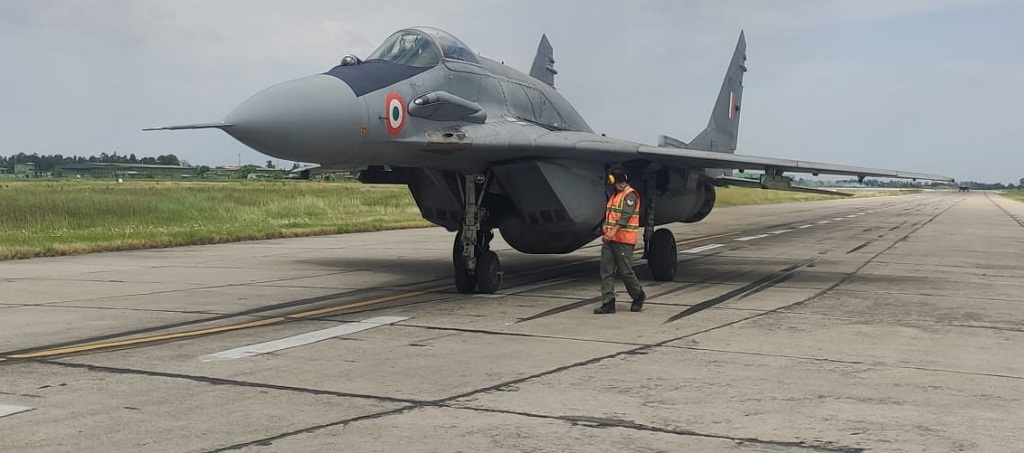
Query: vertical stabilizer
[[724, 125], [544, 63]]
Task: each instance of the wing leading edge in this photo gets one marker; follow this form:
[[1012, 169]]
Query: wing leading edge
[[770, 165]]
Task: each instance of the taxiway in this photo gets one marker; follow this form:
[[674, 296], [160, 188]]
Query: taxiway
[[866, 324]]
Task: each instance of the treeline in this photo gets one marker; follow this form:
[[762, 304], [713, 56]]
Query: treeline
[[910, 184], [48, 163]]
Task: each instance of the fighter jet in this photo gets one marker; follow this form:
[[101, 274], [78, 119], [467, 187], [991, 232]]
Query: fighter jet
[[482, 146]]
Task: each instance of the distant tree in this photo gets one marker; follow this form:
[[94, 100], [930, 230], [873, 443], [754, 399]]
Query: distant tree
[[132, 159], [169, 159], [246, 170]]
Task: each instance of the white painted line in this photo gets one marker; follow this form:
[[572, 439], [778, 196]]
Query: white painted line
[[851, 216], [780, 231], [6, 409], [823, 221], [751, 238], [300, 340], [839, 218], [702, 248], [525, 288], [805, 226]]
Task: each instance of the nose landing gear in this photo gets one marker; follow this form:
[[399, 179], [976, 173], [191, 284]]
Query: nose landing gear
[[476, 266]]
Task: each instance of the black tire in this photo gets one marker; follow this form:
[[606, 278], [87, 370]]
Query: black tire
[[465, 282], [457, 249], [661, 255], [488, 272]]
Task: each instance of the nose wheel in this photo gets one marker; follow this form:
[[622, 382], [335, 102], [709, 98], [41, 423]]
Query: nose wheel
[[486, 278]]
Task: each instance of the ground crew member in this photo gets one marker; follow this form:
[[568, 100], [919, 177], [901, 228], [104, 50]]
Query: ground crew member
[[621, 230]]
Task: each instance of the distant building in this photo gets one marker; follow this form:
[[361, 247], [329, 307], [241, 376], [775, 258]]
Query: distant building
[[21, 171], [125, 171], [249, 172]]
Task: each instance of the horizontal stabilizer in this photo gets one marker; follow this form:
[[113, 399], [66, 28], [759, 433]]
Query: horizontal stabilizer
[[671, 142], [778, 185], [217, 125]]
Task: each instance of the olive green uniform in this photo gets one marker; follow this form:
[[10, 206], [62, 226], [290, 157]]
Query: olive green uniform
[[617, 260]]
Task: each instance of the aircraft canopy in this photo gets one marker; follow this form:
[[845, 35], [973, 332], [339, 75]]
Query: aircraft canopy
[[422, 47]]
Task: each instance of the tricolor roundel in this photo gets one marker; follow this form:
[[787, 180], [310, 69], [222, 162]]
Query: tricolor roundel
[[394, 109]]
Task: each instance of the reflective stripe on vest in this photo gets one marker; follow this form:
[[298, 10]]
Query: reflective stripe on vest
[[613, 212]]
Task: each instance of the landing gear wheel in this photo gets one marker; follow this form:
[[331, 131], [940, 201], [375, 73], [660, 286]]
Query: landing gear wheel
[[465, 282], [488, 272], [661, 255]]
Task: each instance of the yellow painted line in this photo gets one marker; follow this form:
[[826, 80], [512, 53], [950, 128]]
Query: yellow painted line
[[322, 311], [195, 333], [135, 341]]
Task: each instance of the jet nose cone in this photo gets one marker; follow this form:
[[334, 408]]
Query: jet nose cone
[[314, 119]]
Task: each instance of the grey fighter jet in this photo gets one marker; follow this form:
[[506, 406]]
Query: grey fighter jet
[[482, 146]]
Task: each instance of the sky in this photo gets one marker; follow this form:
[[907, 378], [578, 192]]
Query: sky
[[915, 85]]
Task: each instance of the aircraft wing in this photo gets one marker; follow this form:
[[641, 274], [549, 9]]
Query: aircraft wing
[[532, 141], [710, 159]]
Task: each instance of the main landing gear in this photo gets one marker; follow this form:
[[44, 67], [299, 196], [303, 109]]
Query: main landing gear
[[659, 246], [661, 255], [476, 266]]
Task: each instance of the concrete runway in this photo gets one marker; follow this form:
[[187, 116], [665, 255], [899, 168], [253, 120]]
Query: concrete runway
[[891, 324]]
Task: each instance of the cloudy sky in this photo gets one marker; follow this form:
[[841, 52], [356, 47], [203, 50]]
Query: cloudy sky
[[917, 85]]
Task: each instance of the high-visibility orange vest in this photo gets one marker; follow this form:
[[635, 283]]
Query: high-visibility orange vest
[[631, 232]]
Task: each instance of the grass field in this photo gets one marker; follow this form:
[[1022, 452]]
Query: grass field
[[71, 217], [64, 217], [1017, 195]]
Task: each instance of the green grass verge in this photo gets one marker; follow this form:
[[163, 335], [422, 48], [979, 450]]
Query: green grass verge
[[1016, 195], [64, 217], [71, 217]]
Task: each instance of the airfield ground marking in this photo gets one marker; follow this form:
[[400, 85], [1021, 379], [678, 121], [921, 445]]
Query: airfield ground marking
[[780, 231], [805, 226], [702, 248], [640, 250], [7, 409], [823, 221], [839, 218], [211, 330], [524, 288], [301, 340], [751, 238]]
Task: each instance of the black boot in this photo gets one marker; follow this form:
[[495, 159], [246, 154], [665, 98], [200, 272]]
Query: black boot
[[638, 303], [605, 308]]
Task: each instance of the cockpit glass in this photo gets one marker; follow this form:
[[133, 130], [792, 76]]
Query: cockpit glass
[[422, 47], [451, 47], [408, 48]]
